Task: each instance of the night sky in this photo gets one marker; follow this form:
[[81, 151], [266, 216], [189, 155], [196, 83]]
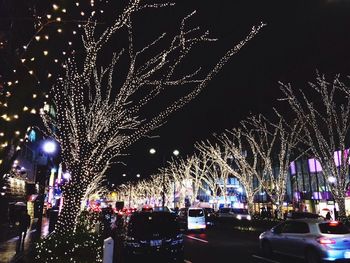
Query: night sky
[[300, 38]]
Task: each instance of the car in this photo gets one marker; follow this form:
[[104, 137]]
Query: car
[[210, 216], [234, 213], [196, 219], [155, 234], [241, 214], [225, 212], [299, 215], [311, 239], [192, 218]]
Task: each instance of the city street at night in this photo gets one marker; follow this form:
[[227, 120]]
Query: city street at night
[[174, 131]]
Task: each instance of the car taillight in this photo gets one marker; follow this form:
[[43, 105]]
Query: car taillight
[[325, 241]]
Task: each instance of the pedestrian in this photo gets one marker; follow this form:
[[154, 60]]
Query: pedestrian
[[328, 216], [23, 225]]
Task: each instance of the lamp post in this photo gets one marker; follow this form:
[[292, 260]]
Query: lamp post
[[175, 152]]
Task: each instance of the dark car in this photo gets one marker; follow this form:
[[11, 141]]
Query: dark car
[[151, 234], [210, 216]]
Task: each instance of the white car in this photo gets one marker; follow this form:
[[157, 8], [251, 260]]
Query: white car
[[314, 240], [196, 219], [234, 213]]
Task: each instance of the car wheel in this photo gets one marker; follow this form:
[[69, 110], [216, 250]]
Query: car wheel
[[312, 256], [266, 248]]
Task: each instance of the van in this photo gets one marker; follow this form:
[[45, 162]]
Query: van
[[196, 218]]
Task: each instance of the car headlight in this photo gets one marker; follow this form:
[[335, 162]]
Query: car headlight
[[239, 217], [249, 217]]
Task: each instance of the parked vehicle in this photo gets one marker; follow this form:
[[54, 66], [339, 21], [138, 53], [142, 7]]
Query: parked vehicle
[[314, 240], [151, 234], [192, 218]]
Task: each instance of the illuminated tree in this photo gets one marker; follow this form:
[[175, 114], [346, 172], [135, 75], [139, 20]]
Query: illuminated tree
[[275, 144], [230, 149], [326, 114], [95, 121]]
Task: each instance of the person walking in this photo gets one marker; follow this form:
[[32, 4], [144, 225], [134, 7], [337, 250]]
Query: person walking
[[23, 225]]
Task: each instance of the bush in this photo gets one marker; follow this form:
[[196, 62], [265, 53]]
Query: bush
[[82, 247]]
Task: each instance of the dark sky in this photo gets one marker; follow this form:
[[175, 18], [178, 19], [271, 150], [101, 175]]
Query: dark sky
[[300, 38]]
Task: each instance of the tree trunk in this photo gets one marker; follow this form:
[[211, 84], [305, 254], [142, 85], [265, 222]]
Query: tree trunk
[[67, 218], [73, 195], [341, 205], [250, 203]]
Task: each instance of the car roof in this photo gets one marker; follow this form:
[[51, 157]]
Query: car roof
[[309, 220]]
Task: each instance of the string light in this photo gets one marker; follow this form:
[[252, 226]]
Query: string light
[[327, 129]]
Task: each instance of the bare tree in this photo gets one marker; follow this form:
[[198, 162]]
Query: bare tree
[[230, 150], [326, 114], [95, 122], [275, 143], [201, 167]]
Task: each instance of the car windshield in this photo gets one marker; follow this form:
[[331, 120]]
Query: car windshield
[[195, 212], [153, 225], [225, 210], [240, 211], [333, 228]]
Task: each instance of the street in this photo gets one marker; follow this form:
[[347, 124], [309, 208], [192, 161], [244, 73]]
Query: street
[[226, 244]]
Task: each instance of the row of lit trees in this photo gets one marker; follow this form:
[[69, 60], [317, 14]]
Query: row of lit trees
[[261, 149]]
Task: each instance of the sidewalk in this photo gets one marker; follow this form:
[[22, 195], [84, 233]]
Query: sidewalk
[[8, 247]]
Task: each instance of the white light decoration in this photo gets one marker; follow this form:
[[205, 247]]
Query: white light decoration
[[326, 113], [152, 151], [96, 121]]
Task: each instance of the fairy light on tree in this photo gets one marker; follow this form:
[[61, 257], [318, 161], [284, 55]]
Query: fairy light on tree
[[95, 123], [275, 143], [327, 121], [230, 149]]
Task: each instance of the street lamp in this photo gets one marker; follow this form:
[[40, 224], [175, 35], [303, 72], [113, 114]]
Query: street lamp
[[49, 147], [176, 152]]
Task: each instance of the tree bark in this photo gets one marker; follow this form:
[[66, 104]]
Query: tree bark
[[341, 205]]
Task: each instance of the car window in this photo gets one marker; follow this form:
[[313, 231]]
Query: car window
[[333, 228], [225, 210], [240, 211], [195, 212], [279, 228], [296, 227], [146, 224]]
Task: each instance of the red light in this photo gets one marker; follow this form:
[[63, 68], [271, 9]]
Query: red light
[[333, 223], [325, 241]]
